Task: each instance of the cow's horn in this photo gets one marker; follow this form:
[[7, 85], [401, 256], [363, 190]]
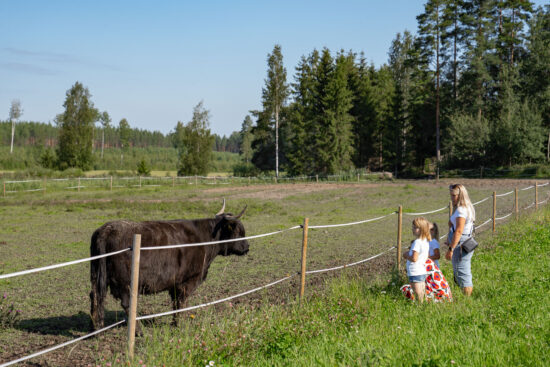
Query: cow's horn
[[241, 213], [222, 209]]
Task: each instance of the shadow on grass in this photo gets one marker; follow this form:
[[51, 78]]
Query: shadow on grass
[[70, 326]]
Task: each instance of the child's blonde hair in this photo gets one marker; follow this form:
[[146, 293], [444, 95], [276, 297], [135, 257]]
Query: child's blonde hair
[[435, 229], [424, 226]]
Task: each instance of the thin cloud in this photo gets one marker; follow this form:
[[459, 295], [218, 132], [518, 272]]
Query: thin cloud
[[57, 58], [27, 68]]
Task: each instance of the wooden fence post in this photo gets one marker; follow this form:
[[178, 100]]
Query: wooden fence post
[[399, 235], [494, 210], [516, 205], [358, 177], [4, 188], [304, 257], [133, 295], [111, 184], [173, 181], [78, 187], [195, 180], [249, 180], [140, 181], [536, 196]]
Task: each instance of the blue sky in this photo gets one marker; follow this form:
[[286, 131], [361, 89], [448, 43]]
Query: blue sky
[[151, 62]]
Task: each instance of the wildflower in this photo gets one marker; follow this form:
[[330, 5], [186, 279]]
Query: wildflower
[[211, 363], [5, 295], [108, 364], [192, 316]]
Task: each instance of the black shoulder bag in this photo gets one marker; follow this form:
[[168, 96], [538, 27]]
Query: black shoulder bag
[[470, 244]]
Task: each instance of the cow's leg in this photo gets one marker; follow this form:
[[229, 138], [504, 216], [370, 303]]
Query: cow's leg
[[182, 292], [125, 302]]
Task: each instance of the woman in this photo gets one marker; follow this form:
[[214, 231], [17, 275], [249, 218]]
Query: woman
[[461, 227]]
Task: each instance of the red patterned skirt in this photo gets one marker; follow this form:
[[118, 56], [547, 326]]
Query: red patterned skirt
[[437, 288]]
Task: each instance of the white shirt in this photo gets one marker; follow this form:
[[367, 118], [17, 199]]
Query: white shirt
[[462, 212], [418, 267], [434, 244]]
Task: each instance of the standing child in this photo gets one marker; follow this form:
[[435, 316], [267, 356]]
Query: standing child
[[434, 244], [418, 254]]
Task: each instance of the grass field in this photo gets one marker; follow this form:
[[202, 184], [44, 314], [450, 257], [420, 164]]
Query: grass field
[[42, 229]]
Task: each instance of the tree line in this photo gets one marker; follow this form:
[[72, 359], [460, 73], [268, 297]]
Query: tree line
[[472, 87]]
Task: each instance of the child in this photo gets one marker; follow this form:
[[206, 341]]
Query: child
[[418, 254], [434, 244]]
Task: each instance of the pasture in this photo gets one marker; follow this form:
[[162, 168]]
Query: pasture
[[40, 229]]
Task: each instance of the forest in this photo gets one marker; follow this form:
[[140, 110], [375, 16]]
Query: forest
[[470, 88]]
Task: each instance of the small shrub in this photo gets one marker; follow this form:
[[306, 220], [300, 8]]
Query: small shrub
[[143, 169], [244, 170]]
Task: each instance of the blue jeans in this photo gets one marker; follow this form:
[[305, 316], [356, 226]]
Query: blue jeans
[[462, 264], [417, 278]]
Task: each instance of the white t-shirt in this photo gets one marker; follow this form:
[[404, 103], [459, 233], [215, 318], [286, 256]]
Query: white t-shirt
[[433, 245], [462, 212], [418, 267]]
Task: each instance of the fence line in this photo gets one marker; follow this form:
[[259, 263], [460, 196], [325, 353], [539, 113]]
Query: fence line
[[350, 224], [61, 345], [349, 265], [214, 302], [36, 270], [231, 297], [433, 211], [482, 200]]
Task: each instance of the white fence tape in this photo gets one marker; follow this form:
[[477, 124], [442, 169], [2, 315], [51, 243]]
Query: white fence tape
[[508, 193], [348, 265], [541, 185], [350, 224], [433, 211], [527, 188], [4, 276], [213, 302], [61, 345]]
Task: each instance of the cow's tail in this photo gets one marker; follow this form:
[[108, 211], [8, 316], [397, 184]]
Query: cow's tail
[[98, 277]]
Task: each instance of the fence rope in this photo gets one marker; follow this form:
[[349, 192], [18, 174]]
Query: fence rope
[[482, 200], [4, 276], [352, 264], [433, 211], [541, 185], [61, 345], [527, 188], [504, 217], [484, 223], [508, 193], [216, 242], [350, 224], [213, 302]]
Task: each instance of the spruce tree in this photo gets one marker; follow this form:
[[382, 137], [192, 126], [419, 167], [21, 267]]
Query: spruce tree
[[246, 139]]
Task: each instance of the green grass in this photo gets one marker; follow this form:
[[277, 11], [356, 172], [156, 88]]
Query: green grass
[[40, 229], [360, 323]]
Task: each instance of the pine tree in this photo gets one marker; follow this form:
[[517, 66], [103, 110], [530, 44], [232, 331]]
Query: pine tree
[[430, 29], [275, 94], [105, 120], [75, 135]]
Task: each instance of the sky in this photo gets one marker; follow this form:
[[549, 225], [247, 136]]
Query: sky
[[151, 62]]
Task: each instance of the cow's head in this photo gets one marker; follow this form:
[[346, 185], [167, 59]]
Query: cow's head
[[228, 227]]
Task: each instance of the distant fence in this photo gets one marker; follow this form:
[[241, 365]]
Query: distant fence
[[538, 198], [113, 182]]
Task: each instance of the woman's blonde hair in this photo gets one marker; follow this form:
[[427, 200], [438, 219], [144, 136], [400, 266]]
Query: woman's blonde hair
[[436, 230], [463, 200], [424, 226]]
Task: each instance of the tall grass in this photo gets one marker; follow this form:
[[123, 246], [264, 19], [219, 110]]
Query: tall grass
[[357, 322]]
